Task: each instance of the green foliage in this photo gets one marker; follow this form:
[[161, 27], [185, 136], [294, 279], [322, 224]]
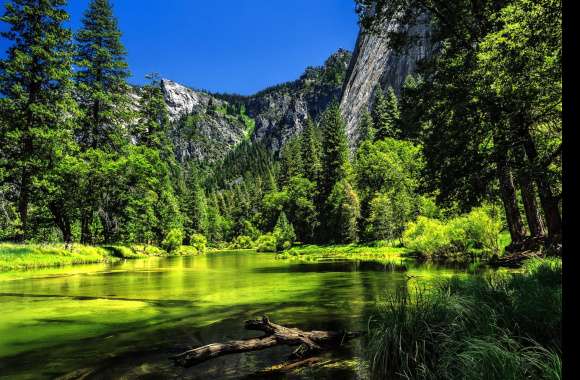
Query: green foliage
[[385, 114], [186, 250], [335, 164], [475, 328], [37, 109], [366, 128], [101, 77], [199, 242], [242, 242], [284, 233], [173, 240], [27, 256], [344, 211], [476, 234], [267, 243]]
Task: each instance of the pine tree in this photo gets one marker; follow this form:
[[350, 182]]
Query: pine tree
[[102, 78], [35, 101], [152, 125], [334, 149], [366, 128], [311, 152], [284, 233], [386, 114]]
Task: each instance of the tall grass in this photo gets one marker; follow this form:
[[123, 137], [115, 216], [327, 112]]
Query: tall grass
[[26, 256], [503, 326]]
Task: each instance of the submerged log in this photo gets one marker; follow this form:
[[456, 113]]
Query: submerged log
[[308, 342]]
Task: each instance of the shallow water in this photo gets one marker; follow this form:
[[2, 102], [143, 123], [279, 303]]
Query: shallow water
[[125, 320]]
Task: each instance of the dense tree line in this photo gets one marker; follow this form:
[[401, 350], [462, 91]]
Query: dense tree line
[[88, 156], [487, 106], [75, 153]]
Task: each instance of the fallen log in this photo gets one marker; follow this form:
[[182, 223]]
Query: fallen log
[[308, 342]]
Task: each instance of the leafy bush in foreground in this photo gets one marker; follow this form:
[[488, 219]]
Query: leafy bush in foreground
[[503, 326], [476, 233]]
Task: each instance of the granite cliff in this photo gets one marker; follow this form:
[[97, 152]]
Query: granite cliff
[[207, 126], [375, 61]]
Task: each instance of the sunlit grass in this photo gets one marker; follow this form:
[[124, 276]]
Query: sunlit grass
[[15, 256], [25, 256], [376, 252]]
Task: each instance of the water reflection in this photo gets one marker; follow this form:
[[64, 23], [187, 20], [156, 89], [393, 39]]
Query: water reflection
[[125, 320]]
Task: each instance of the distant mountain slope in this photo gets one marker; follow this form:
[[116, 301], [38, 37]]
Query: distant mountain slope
[[207, 126]]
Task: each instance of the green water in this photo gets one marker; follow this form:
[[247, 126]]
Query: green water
[[125, 320]]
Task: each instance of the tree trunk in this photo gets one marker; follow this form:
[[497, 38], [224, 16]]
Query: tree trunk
[[61, 221], [547, 199], [533, 216], [308, 341], [86, 219], [509, 200], [23, 200]]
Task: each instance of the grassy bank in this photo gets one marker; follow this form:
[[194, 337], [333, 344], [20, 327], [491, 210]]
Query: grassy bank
[[374, 252], [27, 256], [503, 326]]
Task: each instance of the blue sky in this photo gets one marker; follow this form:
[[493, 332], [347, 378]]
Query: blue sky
[[239, 46]]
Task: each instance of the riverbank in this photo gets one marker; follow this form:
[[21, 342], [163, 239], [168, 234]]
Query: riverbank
[[362, 252], [499, 326], [15, 256]]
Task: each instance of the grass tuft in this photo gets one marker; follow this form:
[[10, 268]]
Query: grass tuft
[[502, 326]]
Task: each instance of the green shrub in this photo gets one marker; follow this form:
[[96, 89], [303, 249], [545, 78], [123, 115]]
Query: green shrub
[[476, 233], [199, 242], [427, 236], [242, 242], [186, 250], [267, 243], [123, 252], [148, 250], [173, 240]]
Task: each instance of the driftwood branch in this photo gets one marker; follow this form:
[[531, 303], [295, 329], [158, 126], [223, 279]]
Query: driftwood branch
[[308, 342]]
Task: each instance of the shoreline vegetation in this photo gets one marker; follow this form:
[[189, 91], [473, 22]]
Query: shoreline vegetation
[[497, 326], [15, 256], [23, 256]]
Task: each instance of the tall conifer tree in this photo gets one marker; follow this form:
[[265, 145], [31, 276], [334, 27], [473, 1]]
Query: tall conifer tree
[[36, 101], [101, 77]]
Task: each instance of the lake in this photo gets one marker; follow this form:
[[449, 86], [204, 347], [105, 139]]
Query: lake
[[125, 320]]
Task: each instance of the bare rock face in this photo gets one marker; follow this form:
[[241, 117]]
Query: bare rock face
[[208, 126], [203, 129], [182, 100], [283, 111], [375, 61]]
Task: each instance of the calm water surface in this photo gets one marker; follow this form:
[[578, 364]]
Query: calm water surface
[[124, 320]]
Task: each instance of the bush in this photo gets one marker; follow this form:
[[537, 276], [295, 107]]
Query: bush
[[123, 252], [476, 234], [267, 243], [242, 242], [173, 240], [186, 250], [427, 236], [199, 242]]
